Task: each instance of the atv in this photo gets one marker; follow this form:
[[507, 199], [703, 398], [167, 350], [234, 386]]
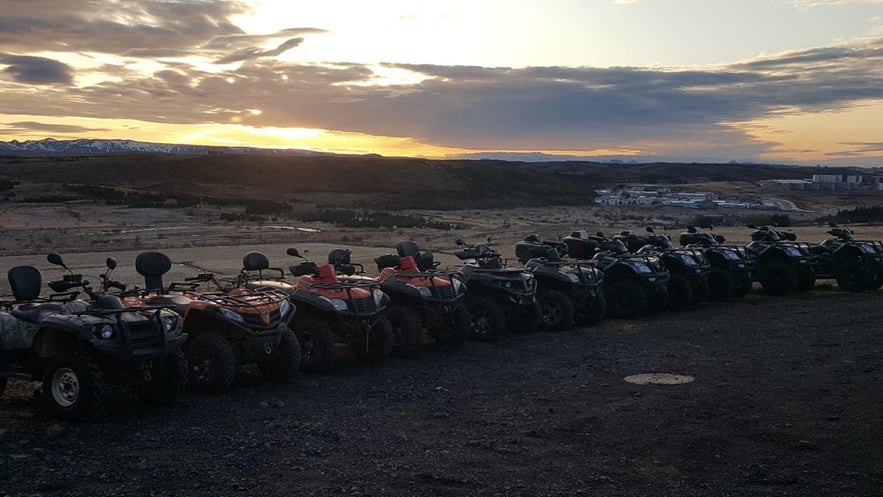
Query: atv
[[329, 310], [855, 264], [226, 327], [687, 267], [77, 347], [633, 283], [782, 265], [731, 266], [419, 300], [567, 290], [499, 298]]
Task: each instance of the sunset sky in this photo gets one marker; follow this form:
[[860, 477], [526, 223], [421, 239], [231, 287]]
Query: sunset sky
[[786, 81]]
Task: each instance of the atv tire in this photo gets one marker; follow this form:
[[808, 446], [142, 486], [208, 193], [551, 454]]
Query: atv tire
[[376, 344], [284, 363], [699, 285], [527, 320], [626, 299], [455, 329], [680, 293], [316, 345], [486, 318], [168, 382], [779, 279], [658, 300], [853, 276], [407, 330], [721, 285], [557, 310], [591, 310], [73, 387], [806, 280], [743, 285], [2, 386], [212, 363], [876, 280]]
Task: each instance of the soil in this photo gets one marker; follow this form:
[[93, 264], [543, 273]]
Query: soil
[[785, 400]]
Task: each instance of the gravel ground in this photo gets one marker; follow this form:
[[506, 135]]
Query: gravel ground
[[786, 401]]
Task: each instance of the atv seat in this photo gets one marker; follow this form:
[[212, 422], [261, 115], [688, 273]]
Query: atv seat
[[388, 260], [424, 259], [579, 247], [153, 265], [25, 282], [34, 313], [533, 248], [177, 303]]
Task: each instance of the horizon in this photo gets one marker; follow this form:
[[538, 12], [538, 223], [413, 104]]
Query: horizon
[[649, 80]]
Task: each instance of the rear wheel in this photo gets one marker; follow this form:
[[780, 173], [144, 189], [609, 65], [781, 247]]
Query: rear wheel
[[406, 328], [212, 363], [876, 280], [743, 285], [168, 382], [853, 276], [806, 280], [779, 278], [721, 285], [316, 344], [487, 320], [557, 310], [376, 344], [73, 387], [591, 309], [284, 362], [680, 293], [455, 329], [699, 285], [626, 299]]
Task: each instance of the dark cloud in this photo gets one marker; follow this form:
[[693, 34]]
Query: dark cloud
[[22, 126], [255, 53], [36, 70]]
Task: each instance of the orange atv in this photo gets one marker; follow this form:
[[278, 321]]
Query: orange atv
[[225, 327], [329, 310]]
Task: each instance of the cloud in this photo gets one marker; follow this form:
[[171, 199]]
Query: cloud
[[23, 126], [36, 70], [255, 53], [807, 4]]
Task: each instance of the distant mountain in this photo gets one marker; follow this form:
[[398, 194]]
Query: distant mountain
[[52, 147]]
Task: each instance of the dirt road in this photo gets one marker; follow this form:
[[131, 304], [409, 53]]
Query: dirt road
[[786, 401]]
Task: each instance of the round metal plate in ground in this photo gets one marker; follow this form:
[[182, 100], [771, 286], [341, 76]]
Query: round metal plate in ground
[[658, 379]]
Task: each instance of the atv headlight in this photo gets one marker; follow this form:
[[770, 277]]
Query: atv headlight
[[572, 277], [689, 260], [380, 297], [105, 331], [458, 285], [339, 304], [284, 307], [168, 322], [642, 267], [424, 292], [231, 315], [731, 255]]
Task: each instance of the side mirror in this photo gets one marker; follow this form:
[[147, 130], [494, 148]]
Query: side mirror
[[459, 242], [111, 263], [649, 229], [293, 252], [754, 227], [57, 260]]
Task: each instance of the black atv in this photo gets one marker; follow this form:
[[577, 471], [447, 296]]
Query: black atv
[[633, 283], [226, 326], [567, 290], [499, 298], [781, 264], [419, 299], [855, 264], [731, 266], [688, 268], [77, 347]]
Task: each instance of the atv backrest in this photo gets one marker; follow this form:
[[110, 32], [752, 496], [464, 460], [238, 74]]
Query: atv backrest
[[408, 265], [580, 247], [25, 282], [526, 250], [255, 261], [407, 248], [388, 260], [339, 256], [153, 265]]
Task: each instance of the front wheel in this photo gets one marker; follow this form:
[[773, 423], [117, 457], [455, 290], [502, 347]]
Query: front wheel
[[680, 293], [2, 386], [557, 310], [455, 329], [284, 362], [212, 363], [375, 344], [699, 285], [626, 299], [592, 310], [73, 387], [743, 285], [407, 330], [169, 381], [853, 276], [316, 344], [721, 284], [779, 279], [806, 280], [526, 320], [487, 320]]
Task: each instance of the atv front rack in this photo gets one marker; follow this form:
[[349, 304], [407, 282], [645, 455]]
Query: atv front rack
[[436, 290], [579, 264], [254, 298]]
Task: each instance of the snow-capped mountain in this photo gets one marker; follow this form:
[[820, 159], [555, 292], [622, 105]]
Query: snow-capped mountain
[[51, 146]]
